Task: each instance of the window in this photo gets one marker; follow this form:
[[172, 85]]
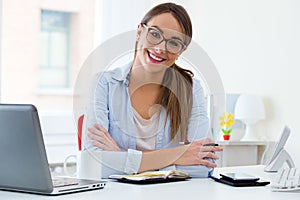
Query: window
[[54, 49], [45, 45]]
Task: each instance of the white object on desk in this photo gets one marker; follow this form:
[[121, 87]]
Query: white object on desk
[[281, 158], [287, 179], [88, 165], [280, 155]]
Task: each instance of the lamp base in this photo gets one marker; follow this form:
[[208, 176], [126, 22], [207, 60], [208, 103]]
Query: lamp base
[[249, 134]]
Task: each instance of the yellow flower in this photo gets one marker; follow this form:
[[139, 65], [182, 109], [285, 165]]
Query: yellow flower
[[226, 120]]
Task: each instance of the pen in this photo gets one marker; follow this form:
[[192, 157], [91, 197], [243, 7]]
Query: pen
[[184, 140], [211, 144], [184, 143]]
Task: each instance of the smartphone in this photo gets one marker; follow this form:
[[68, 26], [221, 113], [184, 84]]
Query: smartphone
[[239, 177]]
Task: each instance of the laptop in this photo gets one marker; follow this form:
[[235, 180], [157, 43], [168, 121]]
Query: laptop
[[23, 161]]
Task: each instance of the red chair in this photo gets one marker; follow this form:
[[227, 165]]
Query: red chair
[[79, 132]]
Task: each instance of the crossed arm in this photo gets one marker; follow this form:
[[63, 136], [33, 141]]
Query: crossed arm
[[195, 157], [194, 153]]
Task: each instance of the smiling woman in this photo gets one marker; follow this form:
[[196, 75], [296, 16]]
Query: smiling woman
[[149, 107]]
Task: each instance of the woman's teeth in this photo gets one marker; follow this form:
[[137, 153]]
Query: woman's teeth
[[155, 57]]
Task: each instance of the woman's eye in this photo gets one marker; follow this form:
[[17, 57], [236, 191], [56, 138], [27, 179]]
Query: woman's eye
[[155, 34], [174, 43]]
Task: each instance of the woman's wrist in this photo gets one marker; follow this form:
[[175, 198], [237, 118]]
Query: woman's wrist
[[157, 159]]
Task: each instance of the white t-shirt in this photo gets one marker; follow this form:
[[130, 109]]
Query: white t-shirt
[[146, 131]]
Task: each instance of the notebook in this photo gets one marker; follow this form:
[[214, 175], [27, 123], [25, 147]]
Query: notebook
[[24, 166], [149, 177]]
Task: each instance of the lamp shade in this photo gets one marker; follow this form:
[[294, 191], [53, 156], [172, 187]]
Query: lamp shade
[[249, 109]]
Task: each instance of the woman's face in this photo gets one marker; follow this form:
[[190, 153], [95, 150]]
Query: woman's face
[[153, 52]]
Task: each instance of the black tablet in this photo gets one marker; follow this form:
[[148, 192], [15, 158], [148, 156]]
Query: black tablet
[[240, 180]]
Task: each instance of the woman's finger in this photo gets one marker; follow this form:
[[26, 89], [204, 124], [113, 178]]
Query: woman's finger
[[208, 155], [105, 132], [102, 139], [205, 141], [95, 131], [208, 163], [101, 128], [98, 144], [96, 134], [211, 148], [95, 137]]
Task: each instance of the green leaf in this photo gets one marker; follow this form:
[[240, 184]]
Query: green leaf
[[226, 132]]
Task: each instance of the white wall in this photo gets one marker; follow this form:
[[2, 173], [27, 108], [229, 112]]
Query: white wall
[[254, 44], [117, 16]]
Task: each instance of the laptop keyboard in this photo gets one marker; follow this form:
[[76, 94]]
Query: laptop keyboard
[[61, 182], [287, 179]]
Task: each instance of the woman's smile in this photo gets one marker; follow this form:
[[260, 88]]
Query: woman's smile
[[154, 58]]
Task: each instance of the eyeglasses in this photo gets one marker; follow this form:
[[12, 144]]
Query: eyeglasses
[[155, 36]]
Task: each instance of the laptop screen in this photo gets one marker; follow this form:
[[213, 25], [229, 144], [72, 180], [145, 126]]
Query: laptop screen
[[23, 163]]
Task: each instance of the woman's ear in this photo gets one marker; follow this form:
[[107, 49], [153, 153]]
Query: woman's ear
[[139, 30]]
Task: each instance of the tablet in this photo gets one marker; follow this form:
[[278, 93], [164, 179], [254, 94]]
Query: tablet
[[239, 180]]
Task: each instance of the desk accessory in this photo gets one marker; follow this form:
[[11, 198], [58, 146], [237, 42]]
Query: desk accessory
[[286, 180], [280, 155]]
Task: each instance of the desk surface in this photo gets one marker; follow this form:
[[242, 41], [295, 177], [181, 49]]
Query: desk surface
[[194, 188]]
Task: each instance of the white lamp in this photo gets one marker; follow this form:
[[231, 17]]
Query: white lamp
[[249, 109]]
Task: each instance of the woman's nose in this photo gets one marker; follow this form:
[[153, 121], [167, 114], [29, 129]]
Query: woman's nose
[[161, 47]]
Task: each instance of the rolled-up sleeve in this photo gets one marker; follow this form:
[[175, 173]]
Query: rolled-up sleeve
[[120, 162]]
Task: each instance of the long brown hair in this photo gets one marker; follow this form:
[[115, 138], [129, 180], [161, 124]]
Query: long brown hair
[[176, 95]]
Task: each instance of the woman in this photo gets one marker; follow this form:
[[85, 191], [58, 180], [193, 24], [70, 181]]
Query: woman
[[151, 113]]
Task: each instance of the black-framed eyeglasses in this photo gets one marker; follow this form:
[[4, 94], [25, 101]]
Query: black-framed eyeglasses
[[155, 36]]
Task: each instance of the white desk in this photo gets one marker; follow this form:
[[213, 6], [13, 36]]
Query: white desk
[[193, 189]]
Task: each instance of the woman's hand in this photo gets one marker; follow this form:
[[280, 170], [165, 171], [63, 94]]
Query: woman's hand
[[196, 152], [102, 139]]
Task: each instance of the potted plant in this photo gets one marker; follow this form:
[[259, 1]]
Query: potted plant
[[226, 122]]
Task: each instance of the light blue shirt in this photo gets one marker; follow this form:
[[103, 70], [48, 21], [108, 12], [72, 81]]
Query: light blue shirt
[[112, 109]]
